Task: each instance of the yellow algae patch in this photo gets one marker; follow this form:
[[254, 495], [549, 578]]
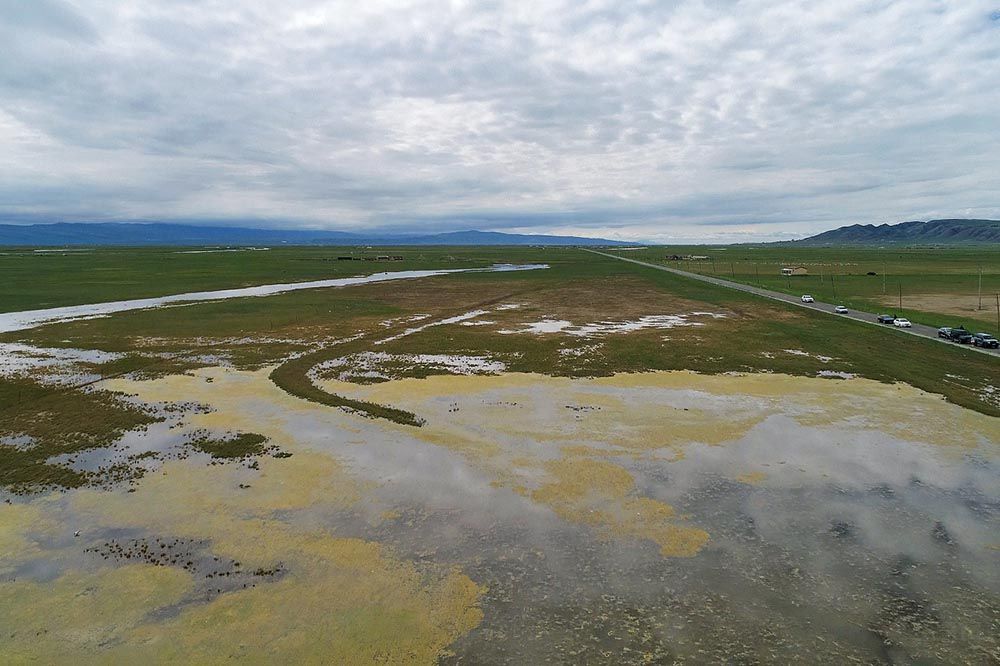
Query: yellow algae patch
[[647, 518], [18, 525], [556, 409], [859, 403], [578, 480], [222, 385], [752, 478], [896, 409], [596, 493], [337, 600], [343, 601], [647, 411], [205, 497], [71, 618], [14, 521], [580, 450]]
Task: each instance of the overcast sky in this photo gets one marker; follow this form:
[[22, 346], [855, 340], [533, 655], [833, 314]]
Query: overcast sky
[[687, 120]]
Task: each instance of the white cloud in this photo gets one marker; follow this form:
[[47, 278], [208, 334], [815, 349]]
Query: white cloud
[[713, 119]]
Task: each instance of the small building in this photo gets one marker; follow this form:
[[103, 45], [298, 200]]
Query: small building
[[795, 270]]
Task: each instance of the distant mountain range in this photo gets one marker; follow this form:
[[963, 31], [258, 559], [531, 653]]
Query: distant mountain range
[[159, 233], [933, 232]]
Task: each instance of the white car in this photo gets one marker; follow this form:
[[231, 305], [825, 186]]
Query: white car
[[806, 298], [840, 309], [902, 323]]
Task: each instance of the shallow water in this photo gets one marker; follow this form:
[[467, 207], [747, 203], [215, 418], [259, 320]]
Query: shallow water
[[16, 321], [664, 517]]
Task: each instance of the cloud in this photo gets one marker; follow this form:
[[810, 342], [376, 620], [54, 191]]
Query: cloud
[[675, 119]]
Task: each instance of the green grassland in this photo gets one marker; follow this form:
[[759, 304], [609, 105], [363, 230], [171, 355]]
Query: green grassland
[[295, 331], [33, 280], [937, 286]]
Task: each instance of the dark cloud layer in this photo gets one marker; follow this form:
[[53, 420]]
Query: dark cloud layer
[[674, 119]]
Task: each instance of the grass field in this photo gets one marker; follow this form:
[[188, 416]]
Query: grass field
[[35, 279], [937, 286], [297, 332]]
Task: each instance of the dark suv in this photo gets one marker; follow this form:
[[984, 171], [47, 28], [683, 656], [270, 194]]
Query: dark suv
[[986, 341], [960, 335], [886, 319]]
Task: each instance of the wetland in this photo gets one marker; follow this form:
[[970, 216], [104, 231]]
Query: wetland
[[564, 465]]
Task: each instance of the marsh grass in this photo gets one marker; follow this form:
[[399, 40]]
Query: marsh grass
[[238, 446], [58, 421], [293, 377]]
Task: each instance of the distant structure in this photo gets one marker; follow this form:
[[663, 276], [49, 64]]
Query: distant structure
[[380, 257], [687, 257], [795, 270]]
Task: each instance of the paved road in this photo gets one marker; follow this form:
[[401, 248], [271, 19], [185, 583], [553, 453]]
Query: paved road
[[864, 317]]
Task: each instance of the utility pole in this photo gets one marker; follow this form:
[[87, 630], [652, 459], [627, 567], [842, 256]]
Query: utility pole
[[980, 286], [884, 270], [757, 271], [732, 269], [834, 284]]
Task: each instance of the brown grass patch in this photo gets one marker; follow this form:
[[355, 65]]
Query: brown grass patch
[[959, 305]]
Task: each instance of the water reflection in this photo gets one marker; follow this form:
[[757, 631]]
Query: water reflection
[[829, 539]]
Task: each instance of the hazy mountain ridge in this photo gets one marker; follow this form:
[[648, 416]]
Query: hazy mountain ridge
[[932, 232], [159, 233]]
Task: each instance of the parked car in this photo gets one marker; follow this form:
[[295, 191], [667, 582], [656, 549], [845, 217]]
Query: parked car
[[960, 335], [840, 309], [806, 298], [902, 323], [986, 341], [885, 319], [944, 332]]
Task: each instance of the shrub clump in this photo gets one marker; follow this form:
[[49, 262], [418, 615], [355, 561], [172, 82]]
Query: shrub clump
[[239, 446]]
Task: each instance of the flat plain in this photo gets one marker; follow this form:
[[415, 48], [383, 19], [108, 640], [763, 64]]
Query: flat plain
[[937, 286], [584, 461]]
